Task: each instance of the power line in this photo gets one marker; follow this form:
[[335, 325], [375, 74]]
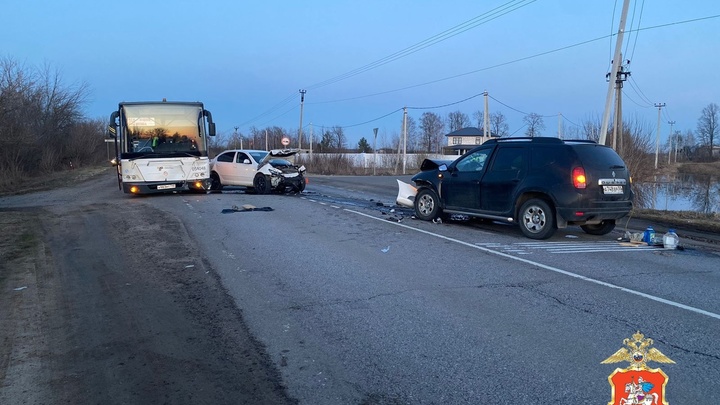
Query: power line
[[640, 93], [467, 73], [278, 116], [612, 28], [446, 105], [566, 119], [642, 8], [272, 109], [447, 34], [410, 108], [635, 102], [292, 97], [366, 122]]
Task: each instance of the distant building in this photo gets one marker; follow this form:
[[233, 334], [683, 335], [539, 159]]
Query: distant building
[[464, 139]]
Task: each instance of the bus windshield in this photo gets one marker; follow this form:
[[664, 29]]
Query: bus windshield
[[162, 128]]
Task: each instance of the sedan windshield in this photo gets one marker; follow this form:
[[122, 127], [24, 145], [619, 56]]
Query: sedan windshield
[[258, 155]]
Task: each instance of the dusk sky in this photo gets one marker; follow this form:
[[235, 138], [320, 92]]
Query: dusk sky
[[360, 61]]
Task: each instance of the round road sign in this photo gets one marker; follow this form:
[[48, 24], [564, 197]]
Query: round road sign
[[285, 141]]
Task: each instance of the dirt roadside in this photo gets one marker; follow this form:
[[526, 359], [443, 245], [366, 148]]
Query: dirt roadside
[[94, 314]]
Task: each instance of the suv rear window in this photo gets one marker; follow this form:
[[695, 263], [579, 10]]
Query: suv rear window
[[598, 156]]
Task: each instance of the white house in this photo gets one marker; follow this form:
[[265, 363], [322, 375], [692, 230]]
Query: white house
[[464, 139]]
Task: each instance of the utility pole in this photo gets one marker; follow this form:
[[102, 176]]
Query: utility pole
[[375, 150], [236, 136], [657, 137], [560, 128], [615, 68], [311, 137], [302, 101], [404, 138], [621, 76], [266, 140], [670, 138], [486, 117]]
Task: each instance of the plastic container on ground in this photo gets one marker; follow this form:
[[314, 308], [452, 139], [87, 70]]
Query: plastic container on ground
[[671, 240], [649, 235]]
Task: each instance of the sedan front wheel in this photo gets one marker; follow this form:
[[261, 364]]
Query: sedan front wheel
[[261, 184]]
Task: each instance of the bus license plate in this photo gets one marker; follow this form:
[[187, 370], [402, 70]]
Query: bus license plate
[[612, 189], [169, 186]]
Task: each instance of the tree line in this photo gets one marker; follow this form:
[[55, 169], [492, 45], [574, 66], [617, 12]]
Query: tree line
[[42, 126], [43, 129]]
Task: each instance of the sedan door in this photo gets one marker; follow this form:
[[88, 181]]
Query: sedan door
[[246, 168], [224, 166]]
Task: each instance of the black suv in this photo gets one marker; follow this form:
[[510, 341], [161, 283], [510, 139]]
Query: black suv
[[541, 183]]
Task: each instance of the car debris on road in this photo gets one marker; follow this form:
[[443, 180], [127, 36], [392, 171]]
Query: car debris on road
[[245, 208]]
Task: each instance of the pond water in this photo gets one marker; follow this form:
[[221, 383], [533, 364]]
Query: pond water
[[681, 193]]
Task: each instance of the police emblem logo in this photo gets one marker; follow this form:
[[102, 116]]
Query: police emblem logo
[[638, 384]]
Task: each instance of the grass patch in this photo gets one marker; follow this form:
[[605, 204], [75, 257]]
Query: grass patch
[[681, 219], [18, 241]]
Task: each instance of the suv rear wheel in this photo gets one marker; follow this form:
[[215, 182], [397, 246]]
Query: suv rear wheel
[[603, 228], [537, 221], [427, 204]]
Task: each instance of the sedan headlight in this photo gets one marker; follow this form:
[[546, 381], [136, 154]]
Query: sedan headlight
[[275, 171], [301, 169]]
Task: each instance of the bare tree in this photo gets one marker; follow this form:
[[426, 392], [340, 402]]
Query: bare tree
[[39, 118], [479, 117], [708, 126], [498, 124], [339, 138], [431, 126], [534, 123], [413, 136], [457, 120], [591, 128], [688, 144], [326, 142]]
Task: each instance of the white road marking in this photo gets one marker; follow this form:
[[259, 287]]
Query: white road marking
[[546, 267], [571, 247]]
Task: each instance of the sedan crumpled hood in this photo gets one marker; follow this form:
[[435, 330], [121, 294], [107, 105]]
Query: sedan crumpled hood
[[278, 153]]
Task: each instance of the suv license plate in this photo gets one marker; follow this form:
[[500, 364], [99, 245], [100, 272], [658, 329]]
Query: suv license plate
[[612, 189], [168, 186]]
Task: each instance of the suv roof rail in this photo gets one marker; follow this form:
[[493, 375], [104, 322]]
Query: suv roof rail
[[539, 139], [533, 139], [579, 141]]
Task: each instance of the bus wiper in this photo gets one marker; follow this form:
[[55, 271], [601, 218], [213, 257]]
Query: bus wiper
[[146, 156]]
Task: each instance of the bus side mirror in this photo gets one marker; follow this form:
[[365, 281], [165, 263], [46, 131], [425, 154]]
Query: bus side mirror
[[212, 129]]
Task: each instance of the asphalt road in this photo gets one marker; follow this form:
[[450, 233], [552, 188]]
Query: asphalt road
[[354, 302]]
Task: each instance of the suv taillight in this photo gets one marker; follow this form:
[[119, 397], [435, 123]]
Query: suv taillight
[[578, 177]]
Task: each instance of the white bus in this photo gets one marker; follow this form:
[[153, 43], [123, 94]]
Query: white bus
[[161, 146]]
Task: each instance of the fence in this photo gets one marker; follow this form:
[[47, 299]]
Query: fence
[[385, 162]]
